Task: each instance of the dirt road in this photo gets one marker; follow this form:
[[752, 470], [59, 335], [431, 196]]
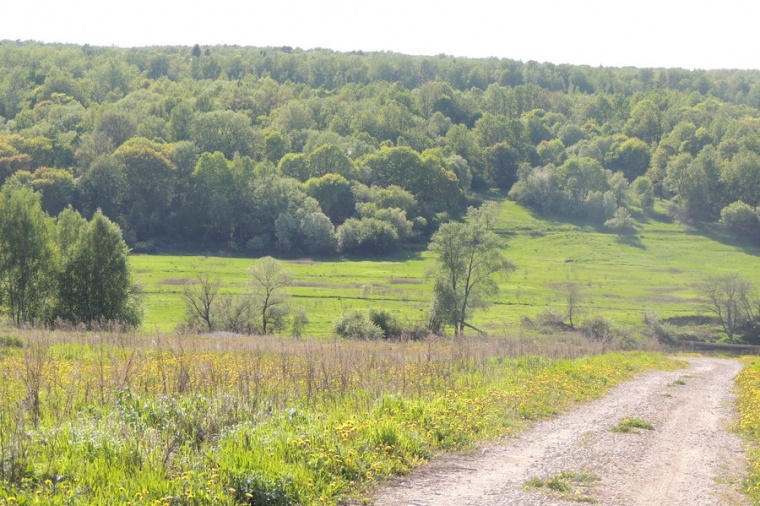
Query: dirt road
[[690, 458]]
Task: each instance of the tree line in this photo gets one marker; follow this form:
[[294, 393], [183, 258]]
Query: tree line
[[279, 150]]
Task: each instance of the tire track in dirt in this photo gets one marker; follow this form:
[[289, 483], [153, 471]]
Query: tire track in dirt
[[691, 458]]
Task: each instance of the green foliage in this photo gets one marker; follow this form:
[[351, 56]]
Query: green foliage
[[357, 325], [96, 127], [27, 255], [369, 236], [95, 283], [741, 220], [333, 192], [386, 322], [621, 222], [468, 260], [11, 341]]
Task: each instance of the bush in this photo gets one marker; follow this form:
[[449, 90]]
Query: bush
[[356, 325], [387, 323], [368, 235], [621, 222], [657, 329], [598, 328], [740, 219]]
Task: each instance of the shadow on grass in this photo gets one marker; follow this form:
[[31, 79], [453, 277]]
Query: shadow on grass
[[717, 233], [631, 240]]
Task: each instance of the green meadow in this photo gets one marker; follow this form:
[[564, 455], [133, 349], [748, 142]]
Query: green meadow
[[658, 269]]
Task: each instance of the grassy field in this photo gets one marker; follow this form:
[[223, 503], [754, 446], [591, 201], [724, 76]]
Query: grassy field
[[101, 418], [659, 269]]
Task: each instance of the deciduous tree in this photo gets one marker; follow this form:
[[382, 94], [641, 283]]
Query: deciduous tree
[[468, 261], [27, 257], [269, 295]]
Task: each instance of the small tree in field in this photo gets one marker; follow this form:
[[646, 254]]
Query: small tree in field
[[201, 301], [572, 295], [468, 260], [733, 301], [269, 296]]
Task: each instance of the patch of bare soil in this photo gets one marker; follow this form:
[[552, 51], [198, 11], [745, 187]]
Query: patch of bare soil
[[690, 458]]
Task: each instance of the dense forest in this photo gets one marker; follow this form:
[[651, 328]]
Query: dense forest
[[263, 150]]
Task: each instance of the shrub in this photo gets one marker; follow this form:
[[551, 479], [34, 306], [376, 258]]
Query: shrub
[[387, 323], [356, 325], [740, 219], [598, 328], [657, 329], [621, 222], [368, 235]]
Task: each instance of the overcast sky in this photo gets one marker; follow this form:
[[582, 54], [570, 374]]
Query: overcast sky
[[644, 33]]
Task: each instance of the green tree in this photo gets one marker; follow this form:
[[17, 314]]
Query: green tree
[[643, 189], [103, 187], [742, 177], [150, 177], [27, 255], [95, 284], [275, 146], [468, 259], [740, 219], [270, 299], [333, 192], [631, 157], [226, 131], [56, 186], [330, 159]]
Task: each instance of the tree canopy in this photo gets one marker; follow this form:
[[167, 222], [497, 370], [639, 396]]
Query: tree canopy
[[183, 145]]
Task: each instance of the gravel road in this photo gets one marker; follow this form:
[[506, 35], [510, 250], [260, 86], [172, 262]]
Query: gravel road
[[690, 458]]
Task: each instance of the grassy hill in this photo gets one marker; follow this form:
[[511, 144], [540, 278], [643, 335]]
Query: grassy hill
[[658, 269]]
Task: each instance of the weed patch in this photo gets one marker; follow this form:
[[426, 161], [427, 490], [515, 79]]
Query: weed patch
[[568, 485], [632, 425]]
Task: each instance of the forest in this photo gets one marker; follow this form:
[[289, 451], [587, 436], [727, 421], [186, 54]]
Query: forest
[[293, 152]]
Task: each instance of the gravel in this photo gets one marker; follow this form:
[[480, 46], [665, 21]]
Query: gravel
[[690, 458]]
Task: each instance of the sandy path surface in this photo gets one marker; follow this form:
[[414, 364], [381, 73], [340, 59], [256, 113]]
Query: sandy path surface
[[690, 458]]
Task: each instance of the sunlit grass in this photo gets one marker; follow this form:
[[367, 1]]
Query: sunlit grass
[[659, 269], [119, 418]]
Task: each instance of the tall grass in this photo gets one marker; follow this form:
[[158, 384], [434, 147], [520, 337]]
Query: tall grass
[[120, 418]]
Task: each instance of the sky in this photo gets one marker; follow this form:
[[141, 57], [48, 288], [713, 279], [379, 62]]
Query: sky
[[694, 34]]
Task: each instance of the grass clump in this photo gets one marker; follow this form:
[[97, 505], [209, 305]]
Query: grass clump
[[678, 382], [11, 341], [632, 425], [568, 485]]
